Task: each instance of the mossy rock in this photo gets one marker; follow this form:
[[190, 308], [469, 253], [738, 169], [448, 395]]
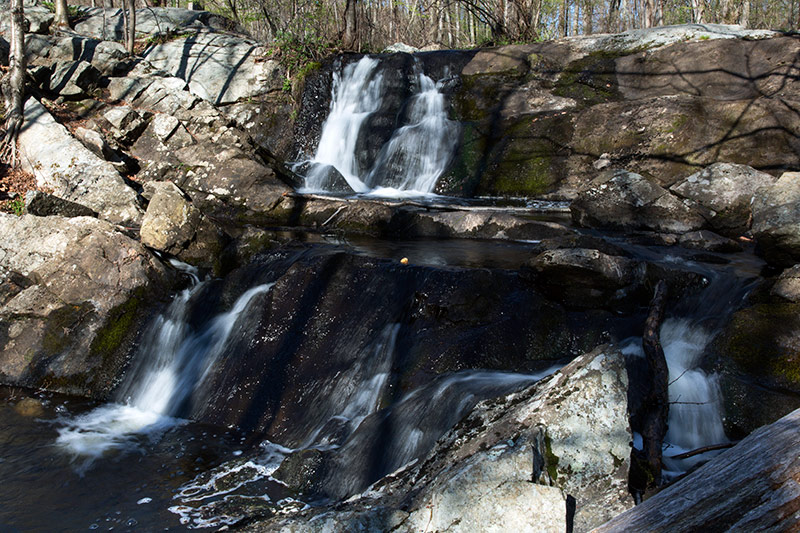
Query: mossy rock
[[463, 177], [763, 342], [61, 325], [590, 80], [530, 159], [757, 357]]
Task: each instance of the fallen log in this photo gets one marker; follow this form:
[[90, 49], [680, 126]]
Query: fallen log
[[754, 486]]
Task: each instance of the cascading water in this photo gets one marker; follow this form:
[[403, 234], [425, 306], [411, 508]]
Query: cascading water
[[696, 402], [175, 362], [418, 153], [415, 156], [356, 93]]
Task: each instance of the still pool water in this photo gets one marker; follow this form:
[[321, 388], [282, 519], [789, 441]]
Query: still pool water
[[46, 489]]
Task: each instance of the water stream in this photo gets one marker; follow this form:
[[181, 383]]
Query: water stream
[[413, 159], [173, 363]]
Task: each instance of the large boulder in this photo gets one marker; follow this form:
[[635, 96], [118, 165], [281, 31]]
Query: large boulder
[[547, 458], [61, 163], [626, 200], [107, 24], [757, 357], [776, 220], [727, 190], [173, 225], [219, 68], [74, 293], [788, 285], [752, 487]]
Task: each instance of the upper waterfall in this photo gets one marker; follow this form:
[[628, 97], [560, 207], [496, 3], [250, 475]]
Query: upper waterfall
[[409, 163]]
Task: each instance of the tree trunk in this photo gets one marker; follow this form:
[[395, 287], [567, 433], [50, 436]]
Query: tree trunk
[[588, 16], [697, 11], [725, 9], [130, 27], [13, 83], [657, 400], [350, 34], [649, 9], [744, 16], [62, 14]]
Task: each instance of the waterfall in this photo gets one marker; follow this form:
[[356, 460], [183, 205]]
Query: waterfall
[[695, 411], [409, 163], [174, 361], [356, 93]]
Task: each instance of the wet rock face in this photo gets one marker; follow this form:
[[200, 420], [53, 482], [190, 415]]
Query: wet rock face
[[449, 319], [626, 200], [72, 300]]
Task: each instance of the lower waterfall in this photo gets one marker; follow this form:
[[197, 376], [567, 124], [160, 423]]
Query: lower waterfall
[[173, 364]]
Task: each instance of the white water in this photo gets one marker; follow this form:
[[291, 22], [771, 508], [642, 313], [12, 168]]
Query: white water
[[356, 93], [695, 411], [355, 394], [413, 159], [176, 362]]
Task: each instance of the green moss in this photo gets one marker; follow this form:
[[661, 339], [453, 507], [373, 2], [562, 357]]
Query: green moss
[[590, 80], [463, 176], [110, 338], [550, 459], [529, 161], [677, 123], [762, 341]]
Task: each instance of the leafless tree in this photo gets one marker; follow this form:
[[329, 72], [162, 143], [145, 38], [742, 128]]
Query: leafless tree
[[13, 83]]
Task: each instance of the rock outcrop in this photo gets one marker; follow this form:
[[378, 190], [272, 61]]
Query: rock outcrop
[[61, 163], [535, 118], [107, 24], [218, 68], [73, 293]]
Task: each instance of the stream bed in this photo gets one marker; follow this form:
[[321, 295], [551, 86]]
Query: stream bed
[[171, 454]]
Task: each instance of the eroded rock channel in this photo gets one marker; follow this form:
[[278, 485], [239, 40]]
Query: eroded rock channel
[[411, 296]]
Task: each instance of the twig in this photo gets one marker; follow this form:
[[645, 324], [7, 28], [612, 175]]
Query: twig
[[704, 449]]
